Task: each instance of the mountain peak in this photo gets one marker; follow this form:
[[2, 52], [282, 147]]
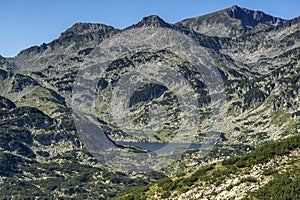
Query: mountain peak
[[233, 21], [250, 18], [79, 34], [86, 28], [152, 20], [235, 7]]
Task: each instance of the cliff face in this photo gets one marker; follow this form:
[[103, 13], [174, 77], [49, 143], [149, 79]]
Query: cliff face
[[257, 56]]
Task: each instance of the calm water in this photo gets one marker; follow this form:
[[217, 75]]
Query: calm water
[[164, 147]]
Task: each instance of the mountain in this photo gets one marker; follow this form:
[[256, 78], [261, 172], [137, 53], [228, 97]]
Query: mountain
[[69, 49], [78, 36], [231, 22], [152, 20], [257, 57]]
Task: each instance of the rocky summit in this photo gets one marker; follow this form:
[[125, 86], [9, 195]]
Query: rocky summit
[[256, 55]]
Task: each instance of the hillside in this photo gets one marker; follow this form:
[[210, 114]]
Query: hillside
[[46, 150], [271, 171]]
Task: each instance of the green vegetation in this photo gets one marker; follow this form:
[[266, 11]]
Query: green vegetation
[[6, 103], [26, 117], [9, 164], [283, 186], [264, 153], [42, 157], [217, 173], [253, 97], [20, 82], [68, 179], [147, 93], [279, 117]]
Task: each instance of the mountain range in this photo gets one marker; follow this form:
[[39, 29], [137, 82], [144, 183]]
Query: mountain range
[[257, 57]]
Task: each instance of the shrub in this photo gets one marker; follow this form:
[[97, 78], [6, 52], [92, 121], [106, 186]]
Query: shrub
[[165, 195]]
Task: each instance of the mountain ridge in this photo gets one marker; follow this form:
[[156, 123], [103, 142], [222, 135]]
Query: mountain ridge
[[153, 20], [239, 20], [260, 73]]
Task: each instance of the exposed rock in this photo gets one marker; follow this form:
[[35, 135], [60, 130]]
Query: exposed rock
[[257, 56], [230, 22]]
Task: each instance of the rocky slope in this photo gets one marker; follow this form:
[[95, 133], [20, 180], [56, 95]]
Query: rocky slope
[[270, 172], [231, 22], [256, 54]]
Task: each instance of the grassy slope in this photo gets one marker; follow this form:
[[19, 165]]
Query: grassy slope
[[283, 185]]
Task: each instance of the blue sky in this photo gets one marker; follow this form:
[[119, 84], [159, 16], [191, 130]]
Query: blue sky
[[25, 23]]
